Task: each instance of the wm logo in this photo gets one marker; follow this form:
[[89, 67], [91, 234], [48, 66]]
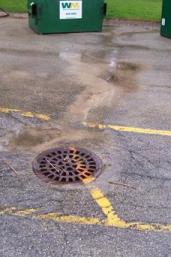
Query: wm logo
[[71, 6]]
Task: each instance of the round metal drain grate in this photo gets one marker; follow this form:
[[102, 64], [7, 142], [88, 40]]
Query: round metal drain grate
[[67, 165]]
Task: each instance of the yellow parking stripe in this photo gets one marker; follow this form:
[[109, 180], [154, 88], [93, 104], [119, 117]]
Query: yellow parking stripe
[[50, 216], [26, 114], [9, 210], [15, 211], [149, 227], [68, 219], [129, 129], [113, 220]]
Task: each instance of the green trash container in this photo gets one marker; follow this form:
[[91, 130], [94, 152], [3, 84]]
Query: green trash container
[[64, 16], [166, 19]]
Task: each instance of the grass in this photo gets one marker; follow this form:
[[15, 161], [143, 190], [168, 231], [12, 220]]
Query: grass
[[13, 5], [124, 9], [135, 9]]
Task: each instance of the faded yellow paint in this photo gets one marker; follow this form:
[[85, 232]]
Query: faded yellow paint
[[25, 212], [49, 216], [129, 129], [68, 219], [7, 110], [17, 212], [112, 218], [41, 116], [88, 180], [9, 210], [149, 227], [26, 114]]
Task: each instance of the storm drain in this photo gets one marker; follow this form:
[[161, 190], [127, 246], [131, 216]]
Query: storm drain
[[67, 165]]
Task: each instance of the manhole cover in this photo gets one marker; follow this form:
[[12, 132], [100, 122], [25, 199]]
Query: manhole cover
[[67, 165]]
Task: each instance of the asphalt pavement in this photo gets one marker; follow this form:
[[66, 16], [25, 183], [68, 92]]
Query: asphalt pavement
[[106, 92]]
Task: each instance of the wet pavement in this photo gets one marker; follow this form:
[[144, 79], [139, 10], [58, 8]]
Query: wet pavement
[[121, 76]]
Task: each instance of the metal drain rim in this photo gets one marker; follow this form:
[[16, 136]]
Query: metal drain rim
[[93, 176]]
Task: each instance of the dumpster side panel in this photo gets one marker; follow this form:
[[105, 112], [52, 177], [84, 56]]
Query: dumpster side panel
[[166, 19], [34, 8]]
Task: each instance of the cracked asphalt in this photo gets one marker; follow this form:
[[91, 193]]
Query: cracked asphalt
[[121, 76]]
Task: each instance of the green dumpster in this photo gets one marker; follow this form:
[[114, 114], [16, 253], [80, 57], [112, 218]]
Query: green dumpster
[[64, 16], [166, 19]]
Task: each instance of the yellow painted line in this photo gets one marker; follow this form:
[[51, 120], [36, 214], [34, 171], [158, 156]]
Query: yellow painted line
[[50, 216], [40, 116], [149, 227], [129, 129], [23, 213], [16, 212], [113, 220], [68, 219], [88, 180], [7, 210]]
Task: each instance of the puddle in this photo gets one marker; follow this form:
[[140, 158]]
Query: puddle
[[97, 57], [104, 83], [123, 75]]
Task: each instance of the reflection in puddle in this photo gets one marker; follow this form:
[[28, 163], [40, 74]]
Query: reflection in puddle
[[122, 74]]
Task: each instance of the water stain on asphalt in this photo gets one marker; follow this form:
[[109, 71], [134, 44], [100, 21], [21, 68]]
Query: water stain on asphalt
[[103, 84], [124, 76], [30, 137], [38, 139], [104, 80]]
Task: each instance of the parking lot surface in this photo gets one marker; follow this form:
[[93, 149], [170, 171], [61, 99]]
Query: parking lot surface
[[106, 92]]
